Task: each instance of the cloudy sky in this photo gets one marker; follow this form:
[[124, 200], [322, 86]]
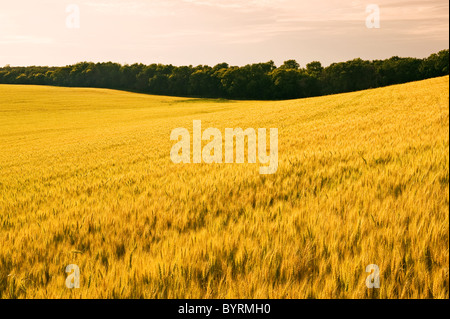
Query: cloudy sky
[[184, 32]]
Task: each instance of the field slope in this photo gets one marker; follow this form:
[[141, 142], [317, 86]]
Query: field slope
[[86, 179]]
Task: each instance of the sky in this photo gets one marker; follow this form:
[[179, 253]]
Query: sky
[[239, 32]]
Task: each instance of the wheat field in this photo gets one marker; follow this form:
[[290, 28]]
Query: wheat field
[[86, 179]]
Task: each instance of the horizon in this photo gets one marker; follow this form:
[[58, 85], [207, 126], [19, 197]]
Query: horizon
[[230, 65], [209, 32]]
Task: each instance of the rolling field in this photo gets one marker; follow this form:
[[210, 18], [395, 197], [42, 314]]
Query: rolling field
[[86, 178]]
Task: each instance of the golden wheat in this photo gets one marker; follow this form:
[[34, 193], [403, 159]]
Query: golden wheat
[[86, 179]]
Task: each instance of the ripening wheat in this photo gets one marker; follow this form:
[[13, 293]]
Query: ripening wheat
[[86, 179]]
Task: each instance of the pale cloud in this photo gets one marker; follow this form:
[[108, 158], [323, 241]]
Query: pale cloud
[[24, 39], [155, 8], [249, 5]]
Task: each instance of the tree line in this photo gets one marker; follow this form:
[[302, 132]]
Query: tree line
[[260, 81]]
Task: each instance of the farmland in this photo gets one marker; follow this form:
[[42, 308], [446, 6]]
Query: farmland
[[86, 178]]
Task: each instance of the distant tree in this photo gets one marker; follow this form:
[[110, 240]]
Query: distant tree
[[2, 76], [435, 65], [22, 79], [159, 84], [234, 81], [179, 80], [38, 78], [252, 81], [202, 82], [314, 69], [220, 66], [290, 64], [348, 76], [397, 70], [289, 83]]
